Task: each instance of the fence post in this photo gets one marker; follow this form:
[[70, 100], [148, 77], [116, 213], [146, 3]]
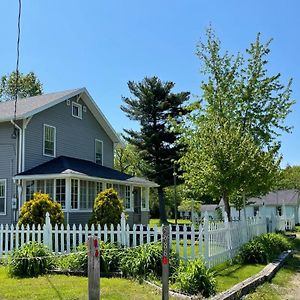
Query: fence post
[[206, 239], [165, 261], [227, 234], [93, 268], [123, 229], [47, 232]]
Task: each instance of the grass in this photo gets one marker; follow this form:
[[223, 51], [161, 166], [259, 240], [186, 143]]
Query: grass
[[71, 287], [229, 275], [153, 222]]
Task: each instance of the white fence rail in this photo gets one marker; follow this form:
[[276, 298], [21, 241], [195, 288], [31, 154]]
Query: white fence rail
[[215, 242]]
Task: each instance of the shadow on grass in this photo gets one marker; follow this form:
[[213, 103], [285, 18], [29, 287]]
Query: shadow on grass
[[59, 295]]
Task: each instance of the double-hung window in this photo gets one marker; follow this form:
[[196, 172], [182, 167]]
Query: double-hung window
[[99, 152], [2, 196], [76, 110], [49, 141]]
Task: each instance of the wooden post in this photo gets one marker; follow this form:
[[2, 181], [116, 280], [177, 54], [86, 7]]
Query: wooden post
[[93, 268], [165, 261]]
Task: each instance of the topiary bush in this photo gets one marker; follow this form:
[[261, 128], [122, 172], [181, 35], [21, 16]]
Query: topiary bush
[[30, 260], [107, 208], [263, 248], [146, 260], [34, 211], [194, 278]]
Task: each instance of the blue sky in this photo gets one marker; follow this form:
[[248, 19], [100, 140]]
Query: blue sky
[[103, 44]]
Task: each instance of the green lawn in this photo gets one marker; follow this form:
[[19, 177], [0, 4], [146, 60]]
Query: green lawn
[[71, 287], [153, 222], [227, 276]]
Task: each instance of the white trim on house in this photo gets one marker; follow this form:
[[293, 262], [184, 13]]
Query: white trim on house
[[79, 106], [54, 150], [101, 142], [4, 196]]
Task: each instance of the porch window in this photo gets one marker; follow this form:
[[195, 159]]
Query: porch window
[[87, 194], [99, 187], [49, 140], [61, 192], [143, 198], [49, 187], [30, 190], [2, 196], [74, 194], [127, 197], [109, 185], [40, 186]]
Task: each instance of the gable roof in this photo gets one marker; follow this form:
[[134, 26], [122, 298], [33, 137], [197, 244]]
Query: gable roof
[[64, 165], [28, 107], [287, 197]]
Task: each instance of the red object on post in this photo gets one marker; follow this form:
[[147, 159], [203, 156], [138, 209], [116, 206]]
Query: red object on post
[[165, 260], [95, 243], [96, 252]]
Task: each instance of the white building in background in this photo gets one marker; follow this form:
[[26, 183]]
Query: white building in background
[[282, 202]]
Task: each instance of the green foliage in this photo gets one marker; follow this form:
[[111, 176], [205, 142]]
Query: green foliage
[[78, 261], [231, 132], [289, 178], [194, 278], [152, 105], [107, 208], [190, 205], [263, 248], [145, 261], [34, 211], [30, 260], [28, 86]]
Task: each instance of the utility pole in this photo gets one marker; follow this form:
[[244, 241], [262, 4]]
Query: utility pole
[[175, 194]]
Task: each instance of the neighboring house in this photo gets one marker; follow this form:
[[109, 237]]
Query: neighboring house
[[282, 202], [209, 208], [62, 144]]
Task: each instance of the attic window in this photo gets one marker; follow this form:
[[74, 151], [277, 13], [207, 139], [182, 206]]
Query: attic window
[[76, 110]]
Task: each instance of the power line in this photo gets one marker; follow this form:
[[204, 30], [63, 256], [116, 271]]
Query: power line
[[18, 59]]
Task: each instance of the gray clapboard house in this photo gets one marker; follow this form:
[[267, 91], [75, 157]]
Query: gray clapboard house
[[62, 144]]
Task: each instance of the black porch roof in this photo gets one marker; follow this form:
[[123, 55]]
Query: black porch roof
[[65, 165]]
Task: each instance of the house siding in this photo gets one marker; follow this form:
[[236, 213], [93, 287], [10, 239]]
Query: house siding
[[74, 137], [7, 167]]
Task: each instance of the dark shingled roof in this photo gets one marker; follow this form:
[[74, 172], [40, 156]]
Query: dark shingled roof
[[64, 164]]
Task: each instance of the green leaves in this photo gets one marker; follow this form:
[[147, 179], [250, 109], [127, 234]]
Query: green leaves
[[29, 85]]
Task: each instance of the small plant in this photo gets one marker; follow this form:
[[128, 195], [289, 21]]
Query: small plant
[[194, 278], [145, 261], [30, 260], [34, 211], [263, 248], [107, 208]]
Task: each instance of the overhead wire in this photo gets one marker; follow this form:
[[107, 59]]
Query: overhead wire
[[18, 58]]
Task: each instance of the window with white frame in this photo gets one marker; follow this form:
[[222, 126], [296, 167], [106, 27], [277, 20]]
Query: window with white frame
[[99, 187], [74, 194], [49, 187], [2, 196], [109, 185], [49, 141], [60, 195], [144, 198], [76, 110], [127, 197], [30, 189], [99, 152]]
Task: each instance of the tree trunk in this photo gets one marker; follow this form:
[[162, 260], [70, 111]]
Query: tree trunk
[[162, 208], [226, 205]]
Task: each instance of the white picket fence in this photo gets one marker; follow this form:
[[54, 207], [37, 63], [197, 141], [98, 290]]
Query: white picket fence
[[215, 242]]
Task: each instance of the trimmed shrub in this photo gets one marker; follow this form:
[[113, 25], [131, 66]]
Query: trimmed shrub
[[107, 208], [34, 211], [194, 278], [30, 260], [146, 261], [264, 248]]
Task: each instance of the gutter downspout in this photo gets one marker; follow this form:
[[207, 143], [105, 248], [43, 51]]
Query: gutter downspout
[[25, 123], [19, 165]]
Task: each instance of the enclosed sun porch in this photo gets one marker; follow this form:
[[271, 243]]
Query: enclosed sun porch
[[74, 183]]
